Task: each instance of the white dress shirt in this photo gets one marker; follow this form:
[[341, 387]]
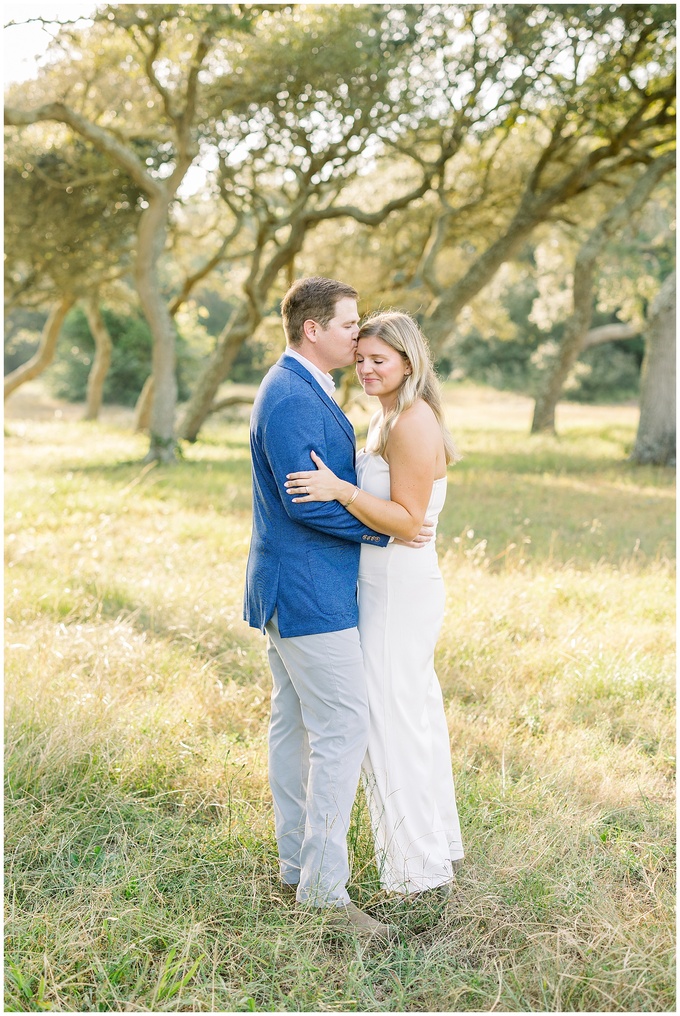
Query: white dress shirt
[[324, 379]]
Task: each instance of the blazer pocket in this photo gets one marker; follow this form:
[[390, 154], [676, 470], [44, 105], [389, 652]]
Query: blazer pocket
[[334, 573]]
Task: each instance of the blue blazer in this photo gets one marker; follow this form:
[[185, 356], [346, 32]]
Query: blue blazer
[[304, 558]]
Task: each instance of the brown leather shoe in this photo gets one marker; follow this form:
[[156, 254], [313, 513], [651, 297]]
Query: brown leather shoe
[[351, 920]]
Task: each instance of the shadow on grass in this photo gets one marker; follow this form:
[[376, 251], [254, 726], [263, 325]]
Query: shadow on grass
[[562, 500], [575, 514], [231, 656], [604, 453], [195, 483]]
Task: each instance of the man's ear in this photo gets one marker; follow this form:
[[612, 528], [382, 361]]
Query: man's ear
[[309, 328]]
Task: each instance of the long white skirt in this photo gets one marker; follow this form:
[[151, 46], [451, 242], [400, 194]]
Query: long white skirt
[[407, 770]]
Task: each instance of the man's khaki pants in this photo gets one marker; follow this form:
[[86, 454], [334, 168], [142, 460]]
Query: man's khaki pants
[[317, 741]]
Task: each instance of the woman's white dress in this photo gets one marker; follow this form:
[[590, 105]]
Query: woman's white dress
[[407, 770]]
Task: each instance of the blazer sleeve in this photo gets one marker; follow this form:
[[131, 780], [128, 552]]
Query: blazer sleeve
[[291, 433]]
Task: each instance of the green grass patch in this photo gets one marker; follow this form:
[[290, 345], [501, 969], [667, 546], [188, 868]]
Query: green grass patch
[[140, 859]]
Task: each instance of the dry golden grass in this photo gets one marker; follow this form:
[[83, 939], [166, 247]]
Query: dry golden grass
[[141, 866]]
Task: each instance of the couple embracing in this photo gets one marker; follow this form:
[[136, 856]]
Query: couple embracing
[[343, 577]]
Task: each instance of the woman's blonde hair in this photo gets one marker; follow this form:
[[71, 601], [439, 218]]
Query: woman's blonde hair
[[402, 333]]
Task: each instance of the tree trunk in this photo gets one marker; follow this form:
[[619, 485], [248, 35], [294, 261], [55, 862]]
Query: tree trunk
[[573, 344], [440, 318], [143, 407], [585, 266], [655, 441], [151, 241], [244, 320], [102, 357], [570, 350], [239, 327], [181, 111], [44, 355]]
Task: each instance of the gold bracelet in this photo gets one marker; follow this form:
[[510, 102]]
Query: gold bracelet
[[355, 494]]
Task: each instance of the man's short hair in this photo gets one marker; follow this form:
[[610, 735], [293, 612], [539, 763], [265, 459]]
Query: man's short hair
[[313, 298]]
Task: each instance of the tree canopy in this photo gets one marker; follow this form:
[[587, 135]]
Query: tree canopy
[[418, 147]]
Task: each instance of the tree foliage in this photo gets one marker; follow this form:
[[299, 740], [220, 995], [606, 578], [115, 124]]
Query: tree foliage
[[69, 220], [584, 286], [414, 148], [165, 48], [594, 95], [286, 160]]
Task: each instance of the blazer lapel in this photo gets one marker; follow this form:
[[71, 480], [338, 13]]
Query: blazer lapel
[[290, 363]]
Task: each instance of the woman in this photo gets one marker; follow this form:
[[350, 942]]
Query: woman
[[402, 480]]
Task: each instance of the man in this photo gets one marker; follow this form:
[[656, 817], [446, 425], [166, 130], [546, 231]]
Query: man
[[301, 589]]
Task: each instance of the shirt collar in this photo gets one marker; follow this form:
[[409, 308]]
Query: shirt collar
[[324, 379]]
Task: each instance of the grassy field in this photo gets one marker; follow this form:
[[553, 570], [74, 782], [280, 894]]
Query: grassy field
[[139, 851]]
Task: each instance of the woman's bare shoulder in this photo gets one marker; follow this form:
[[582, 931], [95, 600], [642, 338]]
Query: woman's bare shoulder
[[419, 415], [414, 431]]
